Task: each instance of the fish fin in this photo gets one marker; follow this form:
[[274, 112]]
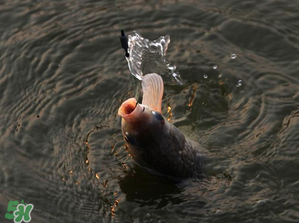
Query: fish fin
[[153, 87]]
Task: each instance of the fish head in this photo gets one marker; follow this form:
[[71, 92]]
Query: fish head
[[140, 120], [147, 115], [142, 127]]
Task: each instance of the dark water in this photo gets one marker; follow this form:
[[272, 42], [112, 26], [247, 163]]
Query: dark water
[[63, 77]]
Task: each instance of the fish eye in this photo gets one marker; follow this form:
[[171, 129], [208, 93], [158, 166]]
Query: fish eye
[[158, 116], [129, 138]]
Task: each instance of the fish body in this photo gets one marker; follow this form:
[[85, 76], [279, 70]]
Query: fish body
[[154, 142]]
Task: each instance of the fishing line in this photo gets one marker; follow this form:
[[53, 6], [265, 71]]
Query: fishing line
[[118, 15], [124, 44], [137, 87]]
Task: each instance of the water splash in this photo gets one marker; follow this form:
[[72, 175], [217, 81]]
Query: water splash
[[149, 57]]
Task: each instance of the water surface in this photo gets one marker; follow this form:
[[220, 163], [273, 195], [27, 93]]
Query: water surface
[[63, 76]]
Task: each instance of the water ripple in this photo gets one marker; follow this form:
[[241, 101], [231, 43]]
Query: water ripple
[[63, 77]]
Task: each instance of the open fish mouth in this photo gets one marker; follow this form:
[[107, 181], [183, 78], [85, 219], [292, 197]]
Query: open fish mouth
[[127, 108]]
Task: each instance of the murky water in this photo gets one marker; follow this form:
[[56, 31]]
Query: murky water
[[63, 76]]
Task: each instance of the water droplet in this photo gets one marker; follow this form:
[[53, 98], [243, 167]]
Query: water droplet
[[215, 67], [239, 84], [205, 76], [233, 56]]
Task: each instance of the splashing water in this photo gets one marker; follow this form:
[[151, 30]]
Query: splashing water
[[149, 57]]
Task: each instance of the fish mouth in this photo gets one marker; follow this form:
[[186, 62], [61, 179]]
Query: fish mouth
[[128, 108]]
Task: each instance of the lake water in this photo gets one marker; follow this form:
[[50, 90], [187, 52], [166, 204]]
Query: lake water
[[63, 76]]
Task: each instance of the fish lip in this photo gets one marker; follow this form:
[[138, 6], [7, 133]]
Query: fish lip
[[128, 108]]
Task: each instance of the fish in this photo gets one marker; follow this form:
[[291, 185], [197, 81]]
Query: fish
[[155, 143]]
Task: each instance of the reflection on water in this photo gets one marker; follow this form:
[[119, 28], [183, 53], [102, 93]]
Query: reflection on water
[[63, 76], [149, 189]]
